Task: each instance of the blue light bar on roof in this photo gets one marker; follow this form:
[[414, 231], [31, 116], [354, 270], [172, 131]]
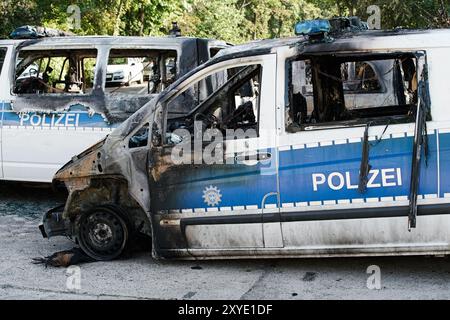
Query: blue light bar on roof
[[312, 27]]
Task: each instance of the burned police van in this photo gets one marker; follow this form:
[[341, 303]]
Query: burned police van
[[61, 94], [312, 146]]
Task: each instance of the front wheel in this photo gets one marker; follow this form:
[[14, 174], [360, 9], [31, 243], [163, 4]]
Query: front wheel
[[103, 233], [141, 79], [128, 83]]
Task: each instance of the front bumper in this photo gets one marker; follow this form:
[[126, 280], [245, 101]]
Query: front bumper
[[53, 224]]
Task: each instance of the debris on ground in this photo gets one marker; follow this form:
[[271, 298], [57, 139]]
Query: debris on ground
[[64, 258], [139, 243]]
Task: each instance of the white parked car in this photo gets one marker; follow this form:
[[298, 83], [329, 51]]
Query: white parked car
[[124, 71]]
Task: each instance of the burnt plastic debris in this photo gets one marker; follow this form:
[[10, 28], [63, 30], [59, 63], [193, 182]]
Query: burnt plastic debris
[[312, 27], [335, 26], [34, 32]]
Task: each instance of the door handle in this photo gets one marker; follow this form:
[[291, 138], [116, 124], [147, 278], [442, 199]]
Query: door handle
[[252, 159]]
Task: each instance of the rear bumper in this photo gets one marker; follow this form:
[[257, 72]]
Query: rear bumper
[[53, 224]]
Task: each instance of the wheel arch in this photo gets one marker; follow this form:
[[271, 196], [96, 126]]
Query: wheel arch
[[106, 191]]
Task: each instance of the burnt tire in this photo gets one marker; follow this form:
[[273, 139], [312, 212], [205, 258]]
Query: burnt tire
[[128, 83], [103, 232]]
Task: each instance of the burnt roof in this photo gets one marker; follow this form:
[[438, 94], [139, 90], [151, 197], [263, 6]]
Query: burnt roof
[[107, 40], [343, 41]]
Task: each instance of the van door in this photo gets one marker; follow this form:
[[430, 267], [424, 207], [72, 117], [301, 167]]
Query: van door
[[345, 174], [220, 190]]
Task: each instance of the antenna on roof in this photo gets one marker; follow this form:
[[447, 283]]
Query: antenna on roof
[[175, 31]]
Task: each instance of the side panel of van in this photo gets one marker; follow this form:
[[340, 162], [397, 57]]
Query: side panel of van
[[5, 57], [325, 210], [36, 142]]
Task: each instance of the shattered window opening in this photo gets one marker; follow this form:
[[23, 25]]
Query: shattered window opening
[[140, 71], [2, 58], [335, 91], [357, 77], [140, 138], [55, 71], [213, 52], [233, 105]]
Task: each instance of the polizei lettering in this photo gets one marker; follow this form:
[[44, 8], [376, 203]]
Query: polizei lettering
[[377, 178], [49, 120]]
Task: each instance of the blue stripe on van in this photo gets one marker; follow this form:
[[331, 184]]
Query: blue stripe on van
[[332, 172], [239, 185], [76, 116], [444, 163]]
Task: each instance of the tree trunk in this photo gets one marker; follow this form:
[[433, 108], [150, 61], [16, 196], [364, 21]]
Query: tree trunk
[[255, 27], [339, 9], [141, 20], [118, 19], [444, 16]]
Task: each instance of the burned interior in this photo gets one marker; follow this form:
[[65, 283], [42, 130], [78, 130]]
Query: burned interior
[[225, 100], [113, 77], [233, 105], [55, 71], [343, 90]]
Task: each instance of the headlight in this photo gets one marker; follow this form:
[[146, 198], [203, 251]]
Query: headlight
[[119, 75]]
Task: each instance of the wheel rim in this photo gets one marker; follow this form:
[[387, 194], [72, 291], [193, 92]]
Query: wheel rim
[[103, 234]]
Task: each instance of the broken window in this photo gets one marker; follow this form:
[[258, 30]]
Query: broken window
[[140, 138], [232, 105], [357, 77], [2, 58], [338, 90], [55, 71], [213, 52], [140, 71], [360, 77]]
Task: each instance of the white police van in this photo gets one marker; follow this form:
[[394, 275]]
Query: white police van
[[337, 179], [56, 100]]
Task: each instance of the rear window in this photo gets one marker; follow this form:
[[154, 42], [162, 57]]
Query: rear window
[[139, 72], [69, 71]]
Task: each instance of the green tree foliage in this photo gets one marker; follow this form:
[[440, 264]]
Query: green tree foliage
[[14, 13], [216, 19], [276, 18], [235, 21]]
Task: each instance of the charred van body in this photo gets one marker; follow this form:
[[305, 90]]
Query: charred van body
[[345, 155]]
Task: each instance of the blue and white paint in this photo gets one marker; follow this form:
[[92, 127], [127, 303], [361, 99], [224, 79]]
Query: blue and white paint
[[315, 174], [77, 116]]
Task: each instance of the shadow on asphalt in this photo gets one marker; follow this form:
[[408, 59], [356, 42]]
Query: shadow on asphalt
[[28, 199]]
